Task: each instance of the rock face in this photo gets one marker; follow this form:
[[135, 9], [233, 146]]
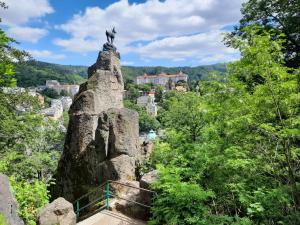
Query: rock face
[[148, 179], [138, 195], [8, 203], [128, 208], [58, 212], [102, 137], [145, 182]]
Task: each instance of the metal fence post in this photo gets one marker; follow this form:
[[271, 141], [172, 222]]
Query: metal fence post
[[77, 209], [107, 194]]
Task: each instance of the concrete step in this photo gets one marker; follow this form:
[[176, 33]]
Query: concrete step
[[106, 217]]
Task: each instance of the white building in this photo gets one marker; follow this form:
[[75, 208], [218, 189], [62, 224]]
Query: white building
[[148, 102], [55, 111], [66, 102], [72, 89], [161, 79], [151, 106]]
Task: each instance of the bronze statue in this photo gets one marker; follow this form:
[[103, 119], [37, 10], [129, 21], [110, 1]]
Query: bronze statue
[[110, 35]]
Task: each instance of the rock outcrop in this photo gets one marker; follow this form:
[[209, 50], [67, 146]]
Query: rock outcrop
[[138, 194], [58, 212], [149, 178], [145, 182], [8, 203], [102, 136]]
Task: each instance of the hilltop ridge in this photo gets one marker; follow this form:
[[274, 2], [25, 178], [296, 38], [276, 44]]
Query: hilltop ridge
[[34, 73]]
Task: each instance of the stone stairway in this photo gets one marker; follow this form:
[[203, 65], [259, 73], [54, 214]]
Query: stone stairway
[[106, 217]]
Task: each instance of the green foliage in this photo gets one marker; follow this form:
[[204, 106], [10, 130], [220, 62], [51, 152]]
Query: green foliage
[[64, 93], [3, 219], [31, 198], [34, 73], [36, 165], [66, 119], [133, 92], [195, 73], [51, 93], [8, 54], [234, 145], [159, 92], [146, 122], [30, 147], [179, 202], [280, 15], [184, 112]]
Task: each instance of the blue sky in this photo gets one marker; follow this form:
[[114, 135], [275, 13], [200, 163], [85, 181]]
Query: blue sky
[[150, 33]]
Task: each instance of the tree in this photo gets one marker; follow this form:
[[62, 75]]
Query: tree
[[274, 98], [64, 93], [132, 92], [51, 93], [146, 122], [159, 91], [8, 56], [243, 165], [279, 15], [184, 112], [31, 198]]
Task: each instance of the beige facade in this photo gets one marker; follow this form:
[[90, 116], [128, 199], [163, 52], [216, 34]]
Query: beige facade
[[72, 89], [161, 79]]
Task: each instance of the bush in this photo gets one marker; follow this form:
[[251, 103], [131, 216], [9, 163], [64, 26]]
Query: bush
[[51, 93], [31, 198], [3, 220]]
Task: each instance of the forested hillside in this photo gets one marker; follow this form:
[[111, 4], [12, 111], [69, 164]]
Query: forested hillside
[[33, 73], [195, 73]]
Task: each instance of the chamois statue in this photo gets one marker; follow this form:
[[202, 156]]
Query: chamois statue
[[110, 35]]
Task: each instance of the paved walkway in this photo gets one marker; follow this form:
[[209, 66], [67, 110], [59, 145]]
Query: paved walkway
[[106, 217]]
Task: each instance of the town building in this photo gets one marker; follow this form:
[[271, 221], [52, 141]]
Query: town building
[[161, 79], [148, 102], [55, 111], [58, 106], [72, 89], [66, 102]]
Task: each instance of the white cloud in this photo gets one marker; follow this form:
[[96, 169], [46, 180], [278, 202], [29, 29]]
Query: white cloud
[[206, 48], [169, 28], [146, 21], [21, 11], [27, 33], [45, 54]]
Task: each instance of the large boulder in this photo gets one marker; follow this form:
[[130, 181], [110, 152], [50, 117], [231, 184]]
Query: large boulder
[[145, 182], [130, 208], [133, 200], [58, 212], [8, 203], [149, 178]]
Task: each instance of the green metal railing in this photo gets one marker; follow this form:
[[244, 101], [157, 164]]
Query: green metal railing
[[107, 194]]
